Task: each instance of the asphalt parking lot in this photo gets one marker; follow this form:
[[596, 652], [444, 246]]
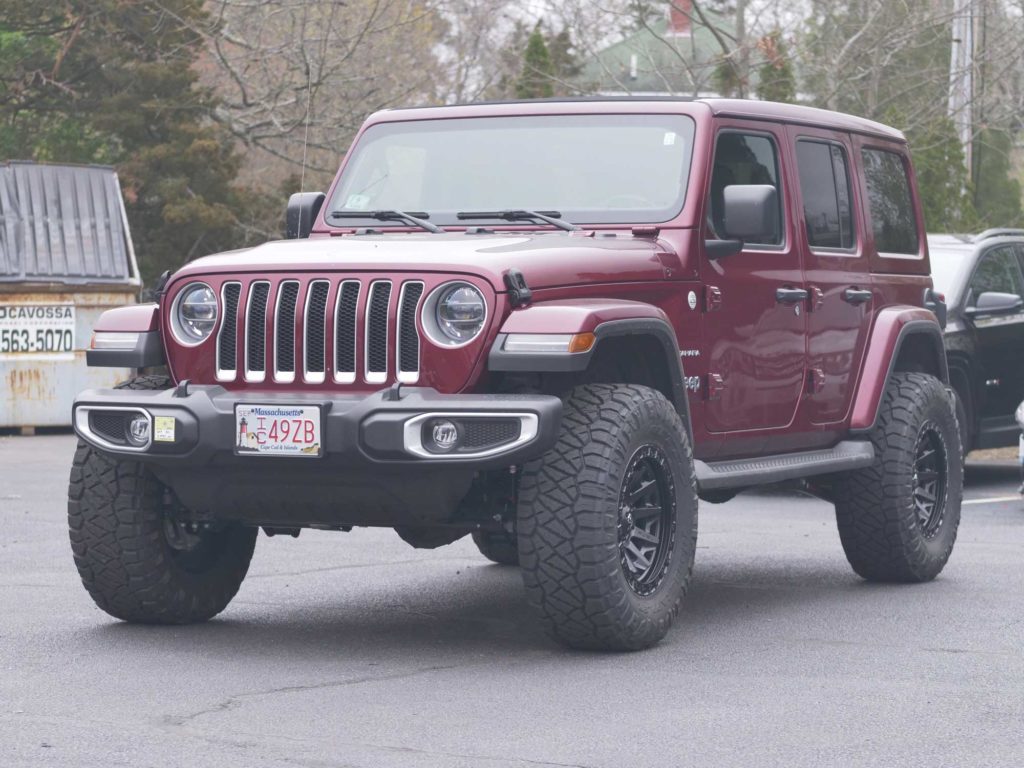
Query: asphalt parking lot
[[356, 650]]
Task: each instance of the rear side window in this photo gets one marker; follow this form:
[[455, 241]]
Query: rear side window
[[743, 158], [825, 189], [892, 207]]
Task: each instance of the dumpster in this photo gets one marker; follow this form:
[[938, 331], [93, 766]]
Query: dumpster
[[65, 256]]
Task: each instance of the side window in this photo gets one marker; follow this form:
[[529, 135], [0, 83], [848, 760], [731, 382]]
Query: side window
[[892, 207], [742, 158], [825, 190], [998, 271]]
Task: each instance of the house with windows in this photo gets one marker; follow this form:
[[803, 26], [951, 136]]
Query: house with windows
[[675, 53]]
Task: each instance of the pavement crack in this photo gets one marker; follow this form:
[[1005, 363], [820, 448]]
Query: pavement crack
[[239, 698]]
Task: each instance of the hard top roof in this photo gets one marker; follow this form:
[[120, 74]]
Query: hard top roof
[[744, 108]]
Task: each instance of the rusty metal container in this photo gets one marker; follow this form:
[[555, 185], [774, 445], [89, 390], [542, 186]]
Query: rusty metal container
[[65, 257]]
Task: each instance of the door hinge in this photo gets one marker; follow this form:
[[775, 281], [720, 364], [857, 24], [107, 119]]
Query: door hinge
[[712, 298], [815, 380], [715, 386], [817, 298]]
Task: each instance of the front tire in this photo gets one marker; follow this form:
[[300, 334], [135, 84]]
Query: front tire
[[136, 560], [898, 518], [607, 520]]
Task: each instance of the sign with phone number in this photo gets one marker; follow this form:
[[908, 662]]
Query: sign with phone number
[[37, 329]]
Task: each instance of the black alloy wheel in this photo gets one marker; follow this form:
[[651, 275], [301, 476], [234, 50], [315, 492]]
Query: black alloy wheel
[[930, 479], [646, 520]]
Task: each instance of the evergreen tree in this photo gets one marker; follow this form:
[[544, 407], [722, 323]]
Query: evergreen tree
[[775, 78], [997, 196], [535, 79], [103, 81]]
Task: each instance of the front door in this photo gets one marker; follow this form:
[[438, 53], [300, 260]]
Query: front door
[[835, 268], [1000, 337], [755, 312]]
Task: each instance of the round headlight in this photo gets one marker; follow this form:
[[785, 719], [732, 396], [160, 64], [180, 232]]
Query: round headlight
[[454, 314], [195, 313]]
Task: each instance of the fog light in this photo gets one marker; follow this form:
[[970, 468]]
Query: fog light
[[138, 430], [444, 434]]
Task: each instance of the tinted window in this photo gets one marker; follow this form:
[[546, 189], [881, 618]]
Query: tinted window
[[743, 159], [999, 272], [892, 207], [590, 168], [825, 189]]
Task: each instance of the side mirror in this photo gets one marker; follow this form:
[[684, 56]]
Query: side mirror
[[302, 211], [995, 303], [751, 212]]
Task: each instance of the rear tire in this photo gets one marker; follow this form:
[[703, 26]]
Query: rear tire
[[898, 519], [607, 520], [500, 548], [135, 560]]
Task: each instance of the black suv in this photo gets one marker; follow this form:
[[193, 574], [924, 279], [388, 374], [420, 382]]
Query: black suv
[[982, 277]]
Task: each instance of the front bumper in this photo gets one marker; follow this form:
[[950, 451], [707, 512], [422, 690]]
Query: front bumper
[[383, 428]]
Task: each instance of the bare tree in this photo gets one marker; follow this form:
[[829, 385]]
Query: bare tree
[[297, 77]]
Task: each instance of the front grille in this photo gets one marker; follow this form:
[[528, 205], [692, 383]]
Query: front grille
[[320, 330]]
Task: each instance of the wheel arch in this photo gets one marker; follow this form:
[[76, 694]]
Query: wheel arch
[[903, 339], [634, 343]]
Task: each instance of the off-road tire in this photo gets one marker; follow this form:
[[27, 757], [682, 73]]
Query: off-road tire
[[500, 548], [116, 513], [569, 520], [879, 527]]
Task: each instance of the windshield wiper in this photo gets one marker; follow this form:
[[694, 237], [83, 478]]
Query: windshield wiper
[[550, 217], [417, 218]]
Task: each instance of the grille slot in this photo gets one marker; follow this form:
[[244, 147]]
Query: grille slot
[[480, 434], [345, 332], [110, 425], [408, 353], [256, 332], [315, 324], [377, 331], [284, 331], [227, 337]]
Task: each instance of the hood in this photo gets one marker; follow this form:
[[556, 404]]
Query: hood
[[546, 259]]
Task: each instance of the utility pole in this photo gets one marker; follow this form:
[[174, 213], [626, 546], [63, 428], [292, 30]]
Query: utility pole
[[961, 77]]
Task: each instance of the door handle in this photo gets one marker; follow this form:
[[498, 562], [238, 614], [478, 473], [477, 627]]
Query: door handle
[[856, 295], [791, 295]]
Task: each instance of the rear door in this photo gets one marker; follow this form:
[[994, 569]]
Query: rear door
[[835, 269], [754, 320]]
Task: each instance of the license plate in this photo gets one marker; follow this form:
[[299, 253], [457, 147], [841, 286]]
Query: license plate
[[278, 430], [38, 330]]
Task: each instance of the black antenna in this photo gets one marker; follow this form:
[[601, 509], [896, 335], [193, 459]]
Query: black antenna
[[305, 138]]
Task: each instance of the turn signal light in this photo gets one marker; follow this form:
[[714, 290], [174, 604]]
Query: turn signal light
[[582, 342]]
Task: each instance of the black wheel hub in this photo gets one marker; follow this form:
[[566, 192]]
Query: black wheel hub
[[929, 482], [647, 519]]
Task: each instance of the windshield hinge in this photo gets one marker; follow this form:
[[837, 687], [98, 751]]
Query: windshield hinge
[[519, 293]]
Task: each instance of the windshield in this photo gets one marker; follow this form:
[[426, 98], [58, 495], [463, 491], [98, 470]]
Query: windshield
[[591, 169], [949, 266]]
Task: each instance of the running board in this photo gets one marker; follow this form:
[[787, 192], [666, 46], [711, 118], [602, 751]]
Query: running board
[[744, 473]]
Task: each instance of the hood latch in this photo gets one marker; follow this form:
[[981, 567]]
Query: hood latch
[[519, 293]]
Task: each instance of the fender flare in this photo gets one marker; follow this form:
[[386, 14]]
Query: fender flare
[[605, 319], [141, 319], [894, 328]]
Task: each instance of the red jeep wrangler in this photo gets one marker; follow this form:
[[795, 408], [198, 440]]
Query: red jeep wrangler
[[553, 326]]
